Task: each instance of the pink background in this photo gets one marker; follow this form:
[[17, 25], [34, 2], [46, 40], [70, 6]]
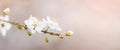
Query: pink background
[[96, 24]]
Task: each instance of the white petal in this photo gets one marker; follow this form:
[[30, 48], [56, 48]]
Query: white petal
[[58, 28], [32, 31], [7, 26], [6, 18], [3, 31], [44, 20], [35, 20], [51, 26], [40, 27], [48, 18], [55, 27], [28, 22]]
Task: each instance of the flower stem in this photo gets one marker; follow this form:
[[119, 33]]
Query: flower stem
[[44, 31], [53, 33], [15, 23]]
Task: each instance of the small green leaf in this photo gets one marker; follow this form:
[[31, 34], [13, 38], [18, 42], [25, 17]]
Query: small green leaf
[[46, 39], [29, 33]]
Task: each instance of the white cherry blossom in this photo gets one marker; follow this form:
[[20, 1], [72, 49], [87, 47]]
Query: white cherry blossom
[[34, 25], [51, 24], [40, 27], [4, 26], [31, 23]]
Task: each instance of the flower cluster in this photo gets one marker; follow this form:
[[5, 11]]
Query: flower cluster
[[35, 25], [32, 25]]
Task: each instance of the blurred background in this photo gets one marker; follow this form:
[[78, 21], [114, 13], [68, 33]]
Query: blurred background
[[95, 23]]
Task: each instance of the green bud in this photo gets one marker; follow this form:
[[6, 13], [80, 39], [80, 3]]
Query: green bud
[[46, 39], [4, 13], [29, 33], [19, 27], [69, 33], [2, 24]]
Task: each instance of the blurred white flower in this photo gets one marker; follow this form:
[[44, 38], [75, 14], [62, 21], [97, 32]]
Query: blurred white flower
[[34, 24], [51, 24], [40, 27], [31, 23], [4, 26]]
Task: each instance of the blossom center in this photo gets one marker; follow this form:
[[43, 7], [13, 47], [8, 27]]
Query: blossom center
[[34, 26]]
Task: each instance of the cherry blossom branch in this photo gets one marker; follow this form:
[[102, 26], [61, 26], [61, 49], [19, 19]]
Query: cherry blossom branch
[[32, 25], [53, 33], [24, 26]]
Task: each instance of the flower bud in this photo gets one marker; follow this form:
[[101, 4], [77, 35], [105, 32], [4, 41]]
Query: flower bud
[[6, 11], [29, 33], [69, 33], [46, 39], [3, 25]]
